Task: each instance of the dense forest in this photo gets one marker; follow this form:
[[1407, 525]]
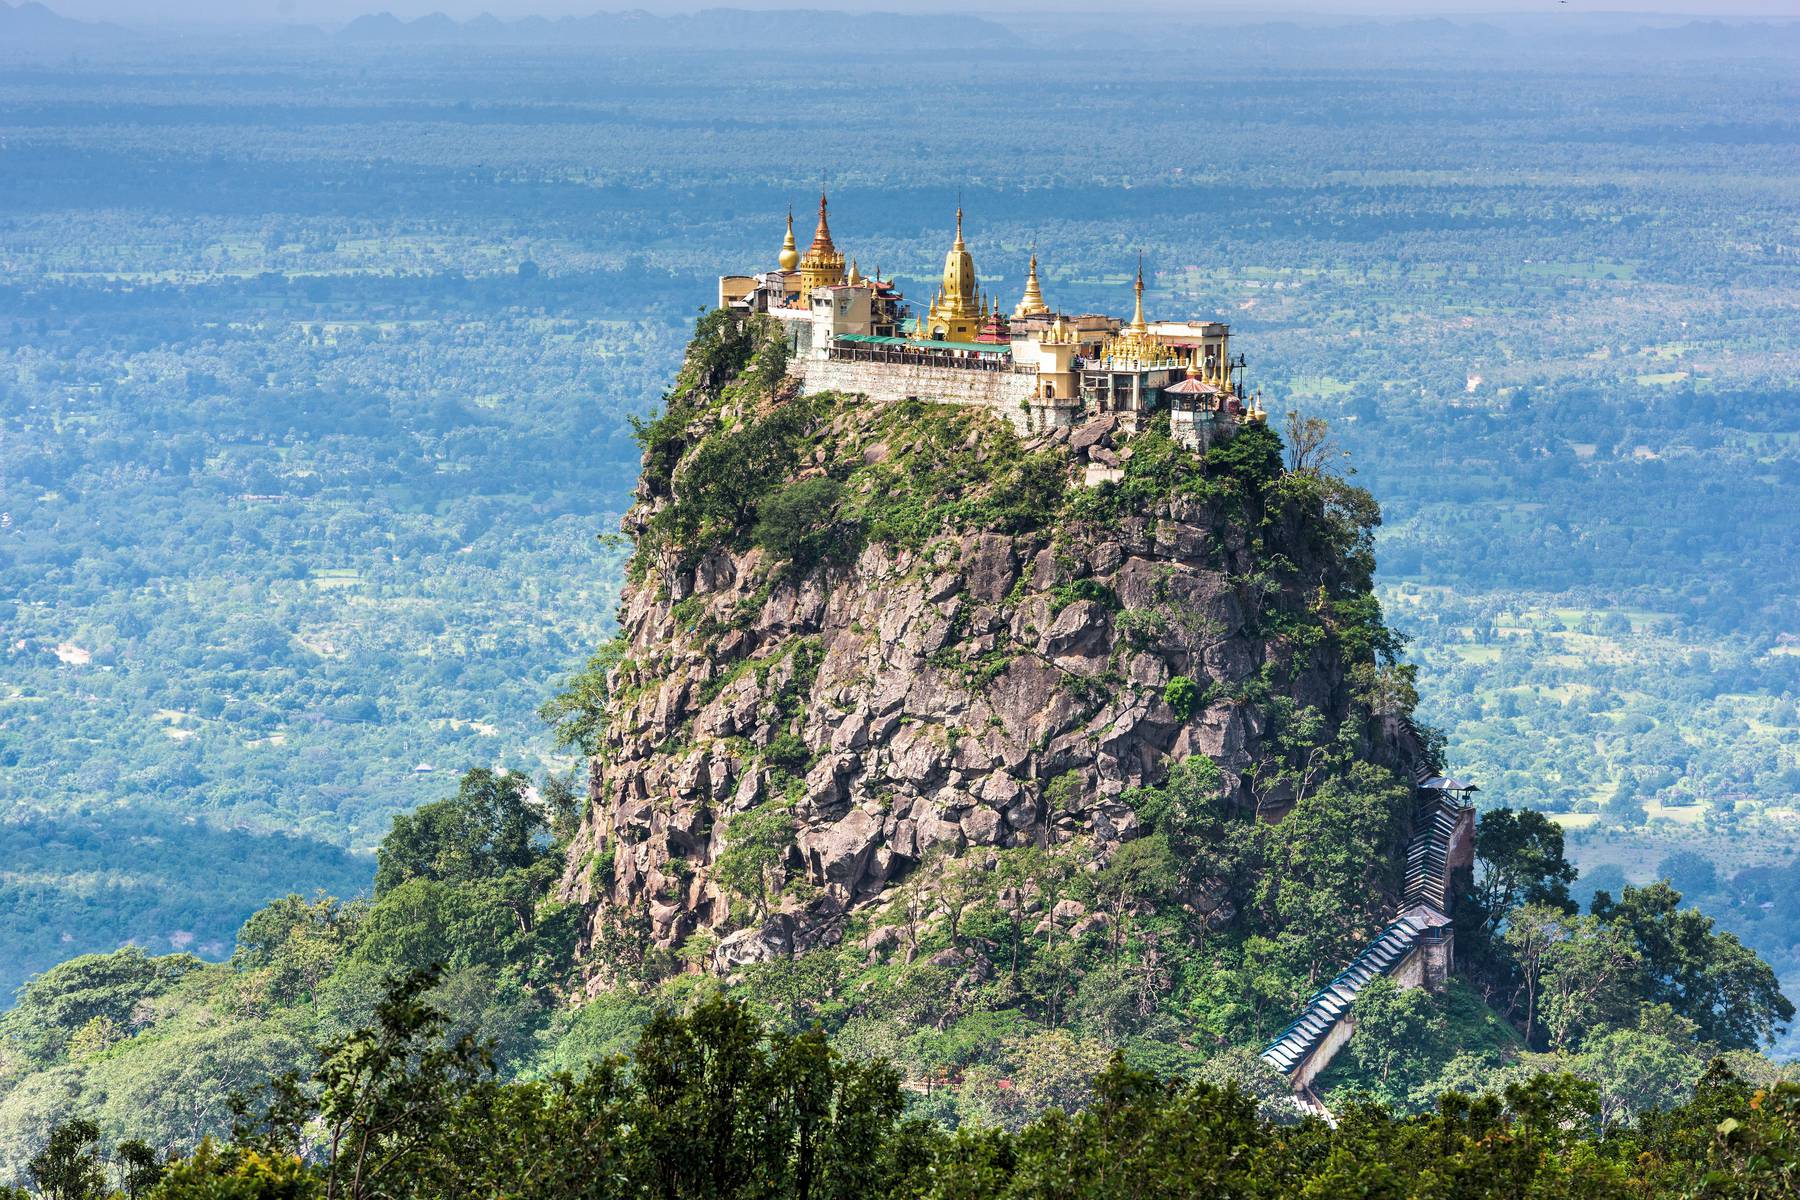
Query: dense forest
[[714, 1104]]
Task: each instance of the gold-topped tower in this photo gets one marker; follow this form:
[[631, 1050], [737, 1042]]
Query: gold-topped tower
[[823, 264], [956, 311], [1135, 344], [1031, 304], [790, 253]]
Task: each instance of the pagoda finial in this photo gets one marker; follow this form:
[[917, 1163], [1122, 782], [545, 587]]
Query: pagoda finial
[[790, 252], [1137, 320], [1032, 303]]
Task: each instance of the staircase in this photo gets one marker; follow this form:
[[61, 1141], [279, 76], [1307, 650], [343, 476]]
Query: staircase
[[1428, 854], [1295, 1044], [1424, 906]]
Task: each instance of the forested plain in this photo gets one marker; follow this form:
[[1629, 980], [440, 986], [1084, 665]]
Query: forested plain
[[318, 371]]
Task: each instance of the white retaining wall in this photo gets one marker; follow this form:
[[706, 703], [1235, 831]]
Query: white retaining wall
[[1005, 392]]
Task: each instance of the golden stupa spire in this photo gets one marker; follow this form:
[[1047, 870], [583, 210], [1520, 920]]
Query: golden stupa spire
[[1193, 367], [822, 235], [823, 264], [1032, 303], [1138, 324], [790, 253], [958, 309]]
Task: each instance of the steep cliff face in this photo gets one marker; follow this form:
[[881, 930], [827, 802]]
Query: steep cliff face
[[859, 637]]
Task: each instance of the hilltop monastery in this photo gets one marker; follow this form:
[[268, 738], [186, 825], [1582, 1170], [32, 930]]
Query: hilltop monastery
[[1039, 368]]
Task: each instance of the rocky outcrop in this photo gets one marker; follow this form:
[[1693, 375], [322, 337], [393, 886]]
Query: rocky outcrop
[[980, 690]]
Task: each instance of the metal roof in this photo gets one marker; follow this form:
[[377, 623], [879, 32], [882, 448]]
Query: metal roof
[[874, 339]]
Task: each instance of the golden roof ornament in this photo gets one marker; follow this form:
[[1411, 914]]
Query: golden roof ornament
[[1032, 303], [822, 265], [1138, 324], [1135, 345], [958, 309], [790, 253]]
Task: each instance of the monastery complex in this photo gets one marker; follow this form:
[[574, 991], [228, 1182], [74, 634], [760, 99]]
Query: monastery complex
[[1039, 368]]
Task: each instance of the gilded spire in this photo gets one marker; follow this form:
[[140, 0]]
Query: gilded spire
[[1138, 324], [1135, 343], [959, 308], [822, 235], [1193, 367], [823, 264], [790, 253], [1032, 303]]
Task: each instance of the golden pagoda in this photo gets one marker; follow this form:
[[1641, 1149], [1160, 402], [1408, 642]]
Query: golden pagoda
[[1032, 303], [956, 313], [1135, 344], [823, 264], [790, 253]]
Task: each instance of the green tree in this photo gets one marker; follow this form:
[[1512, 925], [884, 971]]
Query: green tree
[[69, 1167], [724, 1111], [1519, 860], [380, 1098], [487, 828], [1712, 979], [800, 523], [138, 1166], [1590, 978], [294, 943], [576, 714], [109, 987], [1400, 1034], [756, 844], [1325, 871], [1652, 1066]]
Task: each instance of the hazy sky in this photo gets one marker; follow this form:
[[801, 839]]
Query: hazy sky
[[331, 12]]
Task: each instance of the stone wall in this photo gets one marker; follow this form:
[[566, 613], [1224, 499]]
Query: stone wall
[[1005, 392]]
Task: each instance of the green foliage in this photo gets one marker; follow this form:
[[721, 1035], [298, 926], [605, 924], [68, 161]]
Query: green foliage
[[292, 944], [1518, 861], [756, 844], [1400, 1035], [1182, 695], [949, 469], [54, 1006], [800, 524], [487, 829], [68, 1167], [723, 347], [1065, 594], [577, 713], [213, 1172], [1708, 978], [1251, 459], [712, 1104], [1156, 470]]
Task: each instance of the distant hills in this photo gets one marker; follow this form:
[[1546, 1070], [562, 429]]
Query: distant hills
[[31, 26], [714, 29], [30, 29]]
